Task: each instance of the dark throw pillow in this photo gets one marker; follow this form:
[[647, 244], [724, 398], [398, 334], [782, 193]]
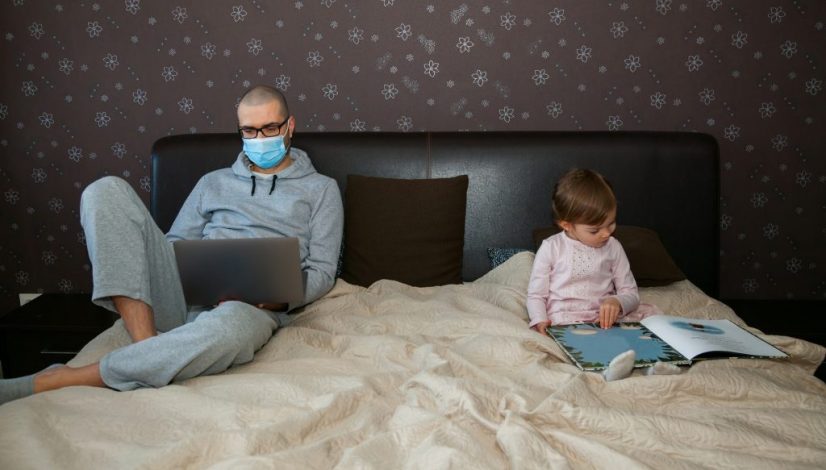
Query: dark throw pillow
[[411, 231], [650, 262]]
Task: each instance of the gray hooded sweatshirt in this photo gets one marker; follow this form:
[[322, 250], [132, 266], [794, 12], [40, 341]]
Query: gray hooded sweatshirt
[[298, 202]]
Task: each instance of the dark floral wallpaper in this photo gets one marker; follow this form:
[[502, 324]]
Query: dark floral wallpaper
[[88, 86]]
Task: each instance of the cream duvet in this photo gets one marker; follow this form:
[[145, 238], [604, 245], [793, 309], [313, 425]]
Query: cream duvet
[[445, 377]]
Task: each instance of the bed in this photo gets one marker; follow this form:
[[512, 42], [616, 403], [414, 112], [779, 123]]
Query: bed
[[440, 370]]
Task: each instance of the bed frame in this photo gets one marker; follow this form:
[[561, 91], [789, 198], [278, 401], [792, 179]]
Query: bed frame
[[450, 376], [511, 176]]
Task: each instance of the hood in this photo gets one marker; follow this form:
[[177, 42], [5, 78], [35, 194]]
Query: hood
[[300, 167]]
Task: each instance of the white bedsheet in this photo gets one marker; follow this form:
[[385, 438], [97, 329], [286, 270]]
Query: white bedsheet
[[445, 377]]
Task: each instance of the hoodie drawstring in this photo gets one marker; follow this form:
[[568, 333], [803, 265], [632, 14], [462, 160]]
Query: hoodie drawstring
[[272, 186]]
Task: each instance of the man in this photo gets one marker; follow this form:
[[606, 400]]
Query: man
[[272, 190]]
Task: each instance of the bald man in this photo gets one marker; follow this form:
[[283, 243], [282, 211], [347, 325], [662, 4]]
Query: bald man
[[271, 190]]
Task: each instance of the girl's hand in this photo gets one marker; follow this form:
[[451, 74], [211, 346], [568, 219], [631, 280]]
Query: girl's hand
[[541, 326], [609, 312]]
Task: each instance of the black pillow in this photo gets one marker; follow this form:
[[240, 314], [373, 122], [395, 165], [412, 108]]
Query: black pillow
[[408, 230], [650, 262]]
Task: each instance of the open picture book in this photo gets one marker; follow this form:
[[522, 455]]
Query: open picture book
[[663, 338]]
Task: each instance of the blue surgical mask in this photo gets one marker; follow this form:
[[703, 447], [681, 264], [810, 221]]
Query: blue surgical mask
[[267, 152]]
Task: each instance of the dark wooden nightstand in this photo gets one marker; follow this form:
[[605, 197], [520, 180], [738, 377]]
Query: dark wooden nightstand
[[51, 328], [804, 319]]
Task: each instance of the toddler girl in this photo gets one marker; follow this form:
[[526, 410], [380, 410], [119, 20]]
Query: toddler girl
[[581, 274]]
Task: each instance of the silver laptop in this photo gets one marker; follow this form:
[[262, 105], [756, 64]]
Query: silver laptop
[[253, 270]]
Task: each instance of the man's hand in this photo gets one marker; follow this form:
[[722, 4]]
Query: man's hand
[[609, 312], [541, 327]]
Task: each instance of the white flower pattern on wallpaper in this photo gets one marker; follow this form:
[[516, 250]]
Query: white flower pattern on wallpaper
[[93, 28], [132, 6], [431, 68], [583, 53], [85, 82]]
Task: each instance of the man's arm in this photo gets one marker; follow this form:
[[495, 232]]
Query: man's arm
[[326, 229]]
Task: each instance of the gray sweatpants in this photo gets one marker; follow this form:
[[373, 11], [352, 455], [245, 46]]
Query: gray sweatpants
[[131, 257]]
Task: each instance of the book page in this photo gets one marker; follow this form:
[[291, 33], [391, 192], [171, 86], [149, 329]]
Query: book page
[[591, 347], [692, 337]]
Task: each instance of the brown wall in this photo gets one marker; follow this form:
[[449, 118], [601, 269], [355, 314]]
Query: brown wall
[[87, 87]]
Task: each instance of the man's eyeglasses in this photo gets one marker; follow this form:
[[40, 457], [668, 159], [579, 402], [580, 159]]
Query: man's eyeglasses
[[270, 130]]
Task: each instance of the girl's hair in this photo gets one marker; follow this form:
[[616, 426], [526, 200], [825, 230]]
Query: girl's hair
[[583, 197]]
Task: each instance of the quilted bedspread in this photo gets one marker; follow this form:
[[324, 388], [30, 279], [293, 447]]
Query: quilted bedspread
[[394, 376]]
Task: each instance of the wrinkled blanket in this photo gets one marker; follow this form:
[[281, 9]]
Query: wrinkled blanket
[[445, 377]]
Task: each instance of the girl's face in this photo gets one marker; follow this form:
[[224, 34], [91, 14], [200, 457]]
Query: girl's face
[[595, 236]]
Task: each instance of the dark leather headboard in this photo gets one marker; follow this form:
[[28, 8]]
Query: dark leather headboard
[[667, 181]]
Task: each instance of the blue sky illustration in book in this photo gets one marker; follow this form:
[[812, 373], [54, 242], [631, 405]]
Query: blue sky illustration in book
[[595, 347]]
